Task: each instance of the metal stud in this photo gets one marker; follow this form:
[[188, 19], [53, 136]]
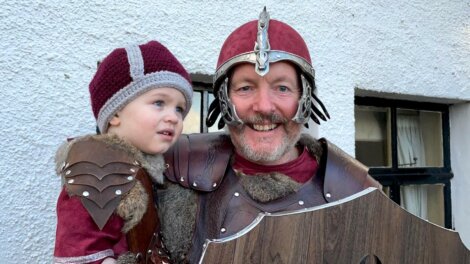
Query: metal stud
[[132, 170], [130, 178], [136, 163], [181, 179], [68, 172], [194, 184], [328, 195], [214, 185], [301, 202], [150, 251], [71, 181], [118, 192], [236, 194], [223, 230], [86, 194]]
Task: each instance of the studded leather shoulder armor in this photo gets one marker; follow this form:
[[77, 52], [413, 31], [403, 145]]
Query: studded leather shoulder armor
[[199, 161], [341, 168], [100, 175]]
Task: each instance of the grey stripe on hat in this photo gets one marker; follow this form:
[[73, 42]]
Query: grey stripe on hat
[[140, 86], [136, 61]]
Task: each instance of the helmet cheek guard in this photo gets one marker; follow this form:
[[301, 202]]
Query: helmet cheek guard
[[274, 41]]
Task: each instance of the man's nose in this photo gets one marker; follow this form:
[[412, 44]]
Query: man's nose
[[263, 101]]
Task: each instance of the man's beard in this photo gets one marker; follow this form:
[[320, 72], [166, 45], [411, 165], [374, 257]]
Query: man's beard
[[265, 154]]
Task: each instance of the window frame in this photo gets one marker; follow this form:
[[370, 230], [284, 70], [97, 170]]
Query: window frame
[[393, 177], [202, 83]]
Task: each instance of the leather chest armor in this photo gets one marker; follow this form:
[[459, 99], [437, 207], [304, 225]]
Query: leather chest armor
[[225, 207], [229, 209]]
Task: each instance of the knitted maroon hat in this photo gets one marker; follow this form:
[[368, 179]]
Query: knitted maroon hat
[[129, 72]]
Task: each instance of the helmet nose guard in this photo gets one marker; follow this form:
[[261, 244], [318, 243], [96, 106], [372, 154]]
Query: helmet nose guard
[[274, 41]]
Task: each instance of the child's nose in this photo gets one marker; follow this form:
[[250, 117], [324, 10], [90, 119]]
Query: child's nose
[[171, 116]]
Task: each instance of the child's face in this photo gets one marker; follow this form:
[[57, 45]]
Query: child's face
[[153, 121]]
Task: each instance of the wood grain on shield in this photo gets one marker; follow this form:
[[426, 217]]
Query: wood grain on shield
[[365, 228]]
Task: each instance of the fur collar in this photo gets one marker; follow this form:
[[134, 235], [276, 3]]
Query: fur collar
[[313, 145], [266, 187]]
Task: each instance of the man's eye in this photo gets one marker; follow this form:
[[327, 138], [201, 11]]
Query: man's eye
[[283, 88]]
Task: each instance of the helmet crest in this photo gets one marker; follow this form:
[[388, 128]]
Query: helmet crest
[[262, 44]]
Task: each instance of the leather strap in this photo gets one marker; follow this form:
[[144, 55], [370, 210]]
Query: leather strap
[[144, 239]]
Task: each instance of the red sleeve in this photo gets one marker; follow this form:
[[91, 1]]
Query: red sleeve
[[78, 238]]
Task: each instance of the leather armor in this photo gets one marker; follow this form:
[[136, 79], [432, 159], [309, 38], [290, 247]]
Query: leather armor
[[101, 175], [225, 207]]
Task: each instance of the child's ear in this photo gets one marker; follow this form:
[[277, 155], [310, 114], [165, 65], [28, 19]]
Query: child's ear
[[115, 121]]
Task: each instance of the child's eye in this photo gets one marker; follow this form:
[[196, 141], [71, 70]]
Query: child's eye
[[179, 109], [159, 103]]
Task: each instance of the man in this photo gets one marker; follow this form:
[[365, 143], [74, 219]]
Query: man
[[218, 183]]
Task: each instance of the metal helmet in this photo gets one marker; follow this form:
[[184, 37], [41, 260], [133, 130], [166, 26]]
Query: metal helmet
[[262, 42]]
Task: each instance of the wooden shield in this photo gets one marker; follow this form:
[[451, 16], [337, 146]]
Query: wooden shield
[[364, 228]]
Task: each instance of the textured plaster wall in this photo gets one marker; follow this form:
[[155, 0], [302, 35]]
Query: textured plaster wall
[[49, 50]]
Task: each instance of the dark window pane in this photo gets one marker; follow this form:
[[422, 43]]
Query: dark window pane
[[373, 142]]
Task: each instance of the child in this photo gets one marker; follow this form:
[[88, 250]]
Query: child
[[105, 212]]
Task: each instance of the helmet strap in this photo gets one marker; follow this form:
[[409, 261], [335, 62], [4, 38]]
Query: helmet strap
[[229, 113]]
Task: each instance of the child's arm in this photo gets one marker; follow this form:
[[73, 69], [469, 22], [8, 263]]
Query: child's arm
[[78, 238]]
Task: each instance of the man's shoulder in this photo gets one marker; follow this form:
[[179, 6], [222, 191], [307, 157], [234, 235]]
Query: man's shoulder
[[199, 161], [344, 175]]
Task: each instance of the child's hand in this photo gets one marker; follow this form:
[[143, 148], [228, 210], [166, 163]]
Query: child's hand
[[109, 261]]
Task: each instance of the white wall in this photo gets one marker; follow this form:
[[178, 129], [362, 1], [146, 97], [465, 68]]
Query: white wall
[[49, 51]]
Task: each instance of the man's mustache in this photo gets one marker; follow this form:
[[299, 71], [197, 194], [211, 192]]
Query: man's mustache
[[261, 118]]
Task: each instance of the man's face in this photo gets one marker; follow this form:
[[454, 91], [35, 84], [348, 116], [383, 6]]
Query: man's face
[[266, 105]]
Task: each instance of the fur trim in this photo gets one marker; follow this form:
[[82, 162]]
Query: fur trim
[[155, 165], [313, 145], [177, 212], [268, 187], [133, 206], [61, 156], [127, 258]]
